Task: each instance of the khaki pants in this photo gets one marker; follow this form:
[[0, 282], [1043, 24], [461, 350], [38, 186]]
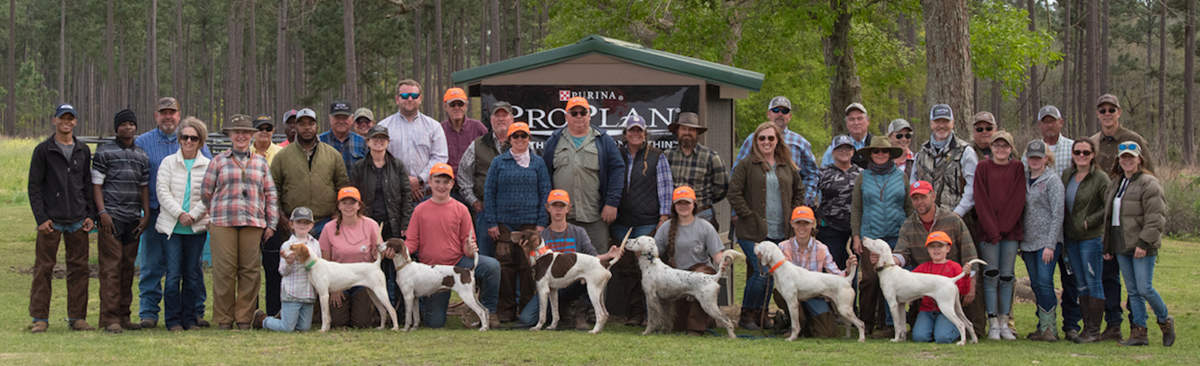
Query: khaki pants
[[117, 254], [236, 258], [46, 253]]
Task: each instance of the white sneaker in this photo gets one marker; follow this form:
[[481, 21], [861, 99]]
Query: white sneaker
[[1005, 332], [993, 329]]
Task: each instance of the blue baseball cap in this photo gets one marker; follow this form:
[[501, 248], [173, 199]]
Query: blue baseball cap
[[64, 109], [635, 120]]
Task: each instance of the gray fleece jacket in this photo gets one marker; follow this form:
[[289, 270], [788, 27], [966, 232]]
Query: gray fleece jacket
[[1043, 213]]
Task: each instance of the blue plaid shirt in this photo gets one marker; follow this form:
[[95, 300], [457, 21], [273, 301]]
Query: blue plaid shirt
[[353, 149], [666, 184], [802, 155], [157, 146]]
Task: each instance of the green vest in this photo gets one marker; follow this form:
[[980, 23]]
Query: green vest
[[485, 151]]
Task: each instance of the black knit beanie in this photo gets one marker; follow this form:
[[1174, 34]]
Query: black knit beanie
[[124, 115]]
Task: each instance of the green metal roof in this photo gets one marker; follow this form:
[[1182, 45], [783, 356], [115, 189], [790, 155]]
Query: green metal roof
[[634, 53]]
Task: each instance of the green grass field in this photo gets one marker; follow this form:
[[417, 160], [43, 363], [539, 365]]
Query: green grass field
[[617, 345]]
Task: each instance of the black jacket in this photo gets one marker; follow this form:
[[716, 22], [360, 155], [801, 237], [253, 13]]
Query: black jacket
[[395, 184], [61, 190]]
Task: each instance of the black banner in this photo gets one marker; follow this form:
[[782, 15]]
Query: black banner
[[541, 106]]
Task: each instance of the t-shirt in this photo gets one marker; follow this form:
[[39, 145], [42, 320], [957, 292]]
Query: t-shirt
[[948, 269], [573, 239], [354, 244], [695, 243], [379, 204], [67, 149], [1072, 190], [438, 232], [186, 205]]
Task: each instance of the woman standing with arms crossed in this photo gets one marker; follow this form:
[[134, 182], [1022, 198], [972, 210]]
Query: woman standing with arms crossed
[[1085, 184], [1134, 214], [999, 203]]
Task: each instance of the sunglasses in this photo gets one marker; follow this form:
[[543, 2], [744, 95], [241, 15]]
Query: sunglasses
[[409, 95], [266, 128], [363, 121], [1127, 147], [1108, 111], [456, 104], [981, 129], [519, 136], [766, 138], [578, 113], [1082, 152], [781, 110], [189, 138], [904, 136]]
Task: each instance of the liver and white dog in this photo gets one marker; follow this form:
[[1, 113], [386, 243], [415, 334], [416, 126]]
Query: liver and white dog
[[660, 282], [418, 280], [326, 276], [797, 284], [552, 271], [901, 287]]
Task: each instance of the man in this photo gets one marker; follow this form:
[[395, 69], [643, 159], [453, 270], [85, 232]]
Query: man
[[985, 124], [1059, 147], [364, 119], [120, 181], [858, 125], [779, 111], [262, 144], [289, 129], [928, 217], [60, 195], [307, 173], [158, 144], [1108, 110], [417, 139], [585, 162], [460, 131], [352, 146], [473, 168], [697, 166], [900, 134]]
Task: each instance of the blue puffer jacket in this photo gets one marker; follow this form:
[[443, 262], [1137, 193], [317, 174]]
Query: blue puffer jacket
[[513, 195]]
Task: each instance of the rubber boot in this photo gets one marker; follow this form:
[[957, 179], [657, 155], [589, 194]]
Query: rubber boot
[[1137, 336], [749, 319], [1093, 313], [1168, 331]]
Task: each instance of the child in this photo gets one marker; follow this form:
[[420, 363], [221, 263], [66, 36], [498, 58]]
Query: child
[[296, 294], [563, 237], [931, 325], [806, 251]]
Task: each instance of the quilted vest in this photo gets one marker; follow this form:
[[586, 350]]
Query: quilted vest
[[485, 151], [639, 201], [883, 203], [944, 171]]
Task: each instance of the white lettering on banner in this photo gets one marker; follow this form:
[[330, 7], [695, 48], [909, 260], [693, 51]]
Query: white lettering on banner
[[540, 119]]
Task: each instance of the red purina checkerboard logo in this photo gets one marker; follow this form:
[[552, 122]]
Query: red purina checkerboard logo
[[564, 95]]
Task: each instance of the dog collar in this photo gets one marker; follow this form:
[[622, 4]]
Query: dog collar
[[775, 267], [311, 262], [539, 251]]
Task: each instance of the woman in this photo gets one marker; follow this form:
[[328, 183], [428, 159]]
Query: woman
[[645, 204], [763, 186], [351, 237], [836, 187], [385, 195], [689, 244], [263, 145], [183, 219], [518, 182], [1085, 185], [998, 184], [878, 206], [1134, 218], [900, 134], [809, 253], [1043, 232], [240, 197]]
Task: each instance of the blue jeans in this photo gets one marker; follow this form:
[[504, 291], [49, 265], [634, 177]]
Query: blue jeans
[[998, 275], [617, 231], [755, 291], [816, 306], [1041, 278], [932, 326], [487, 278], [531, 313], [182, 257], [1139, 283], [487, 246], [1087, 261], [292, 316]]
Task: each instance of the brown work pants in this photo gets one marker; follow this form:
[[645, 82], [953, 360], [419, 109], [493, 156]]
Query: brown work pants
[[117, 253], [45, 255], [688, 313]]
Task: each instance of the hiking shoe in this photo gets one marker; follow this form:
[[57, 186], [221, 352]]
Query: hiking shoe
[[148, 323], [175, 328], [259, 317], [493, 321], [200, 322], [80, 324], [38, 327], [128, 325], [113, 328]]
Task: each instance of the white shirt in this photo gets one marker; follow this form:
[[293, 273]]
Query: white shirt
[[419, 143]]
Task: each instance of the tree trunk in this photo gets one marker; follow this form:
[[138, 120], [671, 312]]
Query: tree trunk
[[497, 52], [152, 62], [233, 81], [518, 37], [252, 106], [1093, 59], [351, 88], [737, 16], [178, 75], [282, 102], [418, 44], [1035, 98], [1104, 45], [997, 102], [10, 114], [440, 65], [62, 51], [844, 88], [1162, 75], [948, 57], [1189, 61], [483, 35], [1066, 67]]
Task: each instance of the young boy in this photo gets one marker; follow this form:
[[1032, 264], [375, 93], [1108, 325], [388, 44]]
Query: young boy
[[296, 294], [120, 187], [563, 237], [931, 325]]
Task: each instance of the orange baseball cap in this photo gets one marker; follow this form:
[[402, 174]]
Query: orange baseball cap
[[519, 126], [559, 195], [684, 193], [349, 192], [938, 237], [441, 169], [577, 102], [803, 213], [454, 94]]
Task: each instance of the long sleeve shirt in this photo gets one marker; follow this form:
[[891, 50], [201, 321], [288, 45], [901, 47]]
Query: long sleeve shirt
[[948, 269], [419, 143], [802, 155]]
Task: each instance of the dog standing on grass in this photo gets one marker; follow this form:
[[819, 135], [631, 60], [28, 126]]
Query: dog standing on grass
[[553, 271], [326, 277], [661, 282], [901, 287], [418, 280], [797, 284]]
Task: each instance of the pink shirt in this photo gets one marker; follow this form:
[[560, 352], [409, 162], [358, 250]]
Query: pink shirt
[[438, 232], [354, 244]]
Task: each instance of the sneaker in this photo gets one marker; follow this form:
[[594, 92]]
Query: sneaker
[[148, 323], [1006, 333], [113, 328], [993, 329], [38, 327], [80, 324]]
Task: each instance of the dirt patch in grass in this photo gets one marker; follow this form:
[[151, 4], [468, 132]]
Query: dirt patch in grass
[[60, 270]]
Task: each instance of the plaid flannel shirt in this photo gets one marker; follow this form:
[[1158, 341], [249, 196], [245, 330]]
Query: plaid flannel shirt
[[703, 171], [664, 181], [802, 155], [294, 283], [353, 149], [240, 192], [809, 258]]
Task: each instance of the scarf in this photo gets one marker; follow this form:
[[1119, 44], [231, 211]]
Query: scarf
[[521, 158], [882, 169]]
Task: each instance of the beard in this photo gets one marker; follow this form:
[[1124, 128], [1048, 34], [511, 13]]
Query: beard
[[687, 141], [306, 140]]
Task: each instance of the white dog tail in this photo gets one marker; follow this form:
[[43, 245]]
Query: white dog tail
[[967, 268], [728, 255]]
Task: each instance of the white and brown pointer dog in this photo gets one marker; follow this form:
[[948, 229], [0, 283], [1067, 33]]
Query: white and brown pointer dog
[[327, 276], [552, 271], [418, 280]]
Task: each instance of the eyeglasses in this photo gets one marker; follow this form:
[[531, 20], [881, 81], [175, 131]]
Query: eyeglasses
[[519, 136], [409, 95], [781, 110], [904, 136], [267, 128], [981, 129], [457, 104], [193, 138], [766, 138], [1108, 111], [1127, 147], [578, 113], [1082, 152]]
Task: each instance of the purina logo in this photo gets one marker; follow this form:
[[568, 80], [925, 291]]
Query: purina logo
[[590, 95], [564, 95]]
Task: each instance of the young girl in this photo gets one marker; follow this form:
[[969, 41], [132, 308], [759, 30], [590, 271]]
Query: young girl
[[999, 203], [805, 251], [1043, 232], [296, 294], [351, 237], [688, 244], [931, 325]]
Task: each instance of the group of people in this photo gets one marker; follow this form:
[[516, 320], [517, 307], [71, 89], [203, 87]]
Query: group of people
[[456, 189]]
